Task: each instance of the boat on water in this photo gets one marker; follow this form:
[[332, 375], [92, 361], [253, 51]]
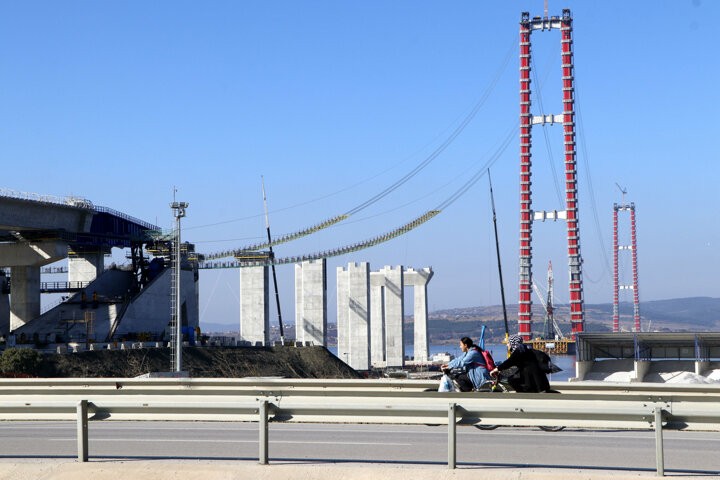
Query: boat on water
[[442, 357]]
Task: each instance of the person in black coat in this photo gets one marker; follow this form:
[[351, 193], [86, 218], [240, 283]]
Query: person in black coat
[[531, 375]]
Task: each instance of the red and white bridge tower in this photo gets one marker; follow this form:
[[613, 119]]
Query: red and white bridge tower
[[616, 281], [570, 214]]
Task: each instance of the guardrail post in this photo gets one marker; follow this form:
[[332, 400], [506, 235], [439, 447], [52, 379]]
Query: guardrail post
[[452, 453], [263, 410], [82, 430], [659, 454]]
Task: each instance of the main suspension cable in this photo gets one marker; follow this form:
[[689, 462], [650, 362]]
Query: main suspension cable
[[417, 169]]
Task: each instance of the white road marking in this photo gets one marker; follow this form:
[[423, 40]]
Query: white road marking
[[193, 440]]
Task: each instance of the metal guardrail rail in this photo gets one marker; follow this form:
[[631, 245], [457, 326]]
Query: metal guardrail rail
[[356, 401], [84, 385]]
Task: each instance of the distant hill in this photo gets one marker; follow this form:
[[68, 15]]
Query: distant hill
[[219, 327], [695, 314]]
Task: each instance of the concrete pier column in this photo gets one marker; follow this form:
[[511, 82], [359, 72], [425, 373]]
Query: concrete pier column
[[254, 305], [701, 367], [387, 304], [641, 369], [419, 279], [357, 306], [311, 302], [86, 266], [343, 334], [377, 319], [4, 305], [25, 259], [582, 368], [394, 312], [25, 305]]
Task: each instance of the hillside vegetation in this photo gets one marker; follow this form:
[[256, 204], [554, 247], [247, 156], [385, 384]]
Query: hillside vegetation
[[223, 362]]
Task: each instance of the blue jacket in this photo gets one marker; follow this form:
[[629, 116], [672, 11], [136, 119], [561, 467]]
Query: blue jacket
[[474, 364]]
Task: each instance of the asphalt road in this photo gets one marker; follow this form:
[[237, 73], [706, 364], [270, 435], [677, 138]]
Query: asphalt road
[[686, 453]]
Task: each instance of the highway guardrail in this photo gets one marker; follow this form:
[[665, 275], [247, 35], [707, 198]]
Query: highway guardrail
[[355, 401]]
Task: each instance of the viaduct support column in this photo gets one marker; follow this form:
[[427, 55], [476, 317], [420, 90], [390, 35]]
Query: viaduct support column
[[254, 305], [387, 339], [419, 279], [377, 319], [343, 334], [85, 266], [25, 260], [311, 302], [4, 305], [356, 303], [25, 304]]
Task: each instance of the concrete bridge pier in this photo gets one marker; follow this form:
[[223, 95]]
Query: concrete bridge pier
[[387, 340], [25, 259], [353, 315], [311, 302], [254, 305], [4, 304], [25, 304], [419, 279], [377, 319], [642, 367], [85, 266]]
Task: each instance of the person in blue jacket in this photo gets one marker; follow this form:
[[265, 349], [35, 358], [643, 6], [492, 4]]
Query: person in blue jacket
[[474, 370]]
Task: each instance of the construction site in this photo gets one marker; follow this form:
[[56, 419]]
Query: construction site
[[155, 299]]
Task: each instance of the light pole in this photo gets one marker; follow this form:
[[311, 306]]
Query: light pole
[[178, 212]]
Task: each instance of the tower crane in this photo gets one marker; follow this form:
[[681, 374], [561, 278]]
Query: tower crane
[[550, 328], [623, 191]]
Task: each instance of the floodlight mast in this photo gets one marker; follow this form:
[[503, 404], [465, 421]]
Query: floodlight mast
[[178, 213]]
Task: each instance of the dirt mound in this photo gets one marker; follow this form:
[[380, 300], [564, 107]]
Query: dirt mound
[[223, 362]]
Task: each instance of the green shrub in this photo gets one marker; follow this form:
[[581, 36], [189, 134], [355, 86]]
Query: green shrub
[[20, 360]]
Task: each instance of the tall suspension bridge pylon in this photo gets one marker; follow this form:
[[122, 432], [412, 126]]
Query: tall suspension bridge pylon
[[617, 286], [570, 214]]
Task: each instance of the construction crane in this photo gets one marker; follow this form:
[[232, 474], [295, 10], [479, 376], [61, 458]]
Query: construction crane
[[623, 191], [550, 328], [552, 339]]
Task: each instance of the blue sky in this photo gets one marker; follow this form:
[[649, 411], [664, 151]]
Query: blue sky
[[120, 102]]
